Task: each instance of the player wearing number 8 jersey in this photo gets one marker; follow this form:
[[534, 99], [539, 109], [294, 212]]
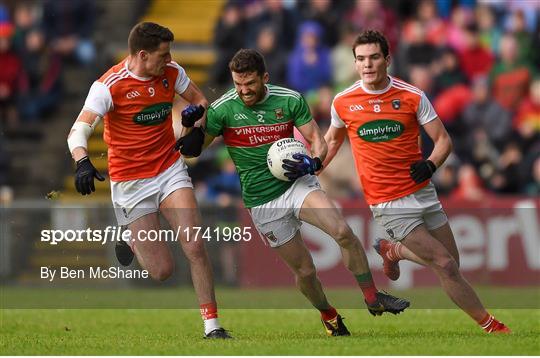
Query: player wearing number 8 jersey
[[382, 116], [135, 98], [251, 117]]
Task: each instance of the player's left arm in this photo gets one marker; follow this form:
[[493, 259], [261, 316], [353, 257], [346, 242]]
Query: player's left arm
[[441, 140], [196, 110], [422, 170], [304, 164]]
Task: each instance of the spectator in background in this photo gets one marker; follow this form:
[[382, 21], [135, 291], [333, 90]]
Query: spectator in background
[[276, 58], [309, 65], [229, 37], [26, 19], [320, 103], [12, 77], [43, 67], [532, 178], [272, 12], [328, 15], [507, 178], [445, 178], [483, 113], [447, 71], [459, 20], [523, 38], [224, 189], [433, 25], [343, 71], [470, 186], [475, 60], [68, 26], [371, 14], [509, 77], [527, 119], [416, 52], [490, 34]]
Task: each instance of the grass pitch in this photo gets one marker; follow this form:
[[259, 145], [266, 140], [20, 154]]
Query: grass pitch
[[261, 332]]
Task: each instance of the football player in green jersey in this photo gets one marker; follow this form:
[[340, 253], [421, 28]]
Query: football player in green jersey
[[252, 116]]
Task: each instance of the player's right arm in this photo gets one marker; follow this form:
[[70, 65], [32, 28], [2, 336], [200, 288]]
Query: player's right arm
[[78, 146], [335, 135], [334, 138], [97, 104]]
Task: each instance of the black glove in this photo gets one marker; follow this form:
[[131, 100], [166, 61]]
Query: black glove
[[192, 114], [192, 143], [422, 170], [303, 165], [84, 176]]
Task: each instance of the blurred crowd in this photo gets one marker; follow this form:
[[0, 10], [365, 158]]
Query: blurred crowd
[[37, 40], [477, 61]]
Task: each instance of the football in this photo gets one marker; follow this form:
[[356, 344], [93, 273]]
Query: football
[[283, 149]]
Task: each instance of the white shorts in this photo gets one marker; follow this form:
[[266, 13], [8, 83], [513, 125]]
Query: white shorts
[[400, 216], [277, 220], [133, 199]]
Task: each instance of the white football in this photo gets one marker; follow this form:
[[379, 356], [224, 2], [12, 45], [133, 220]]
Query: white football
[[283, 149]]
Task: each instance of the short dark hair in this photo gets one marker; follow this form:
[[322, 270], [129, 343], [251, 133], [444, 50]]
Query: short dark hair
[[148, 36], [372, 37], [248, 60]]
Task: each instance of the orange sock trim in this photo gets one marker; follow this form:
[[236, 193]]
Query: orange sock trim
[[395, 252], [209, 310]]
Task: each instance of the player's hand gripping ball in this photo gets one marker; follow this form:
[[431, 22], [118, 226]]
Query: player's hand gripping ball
[[283, 149]]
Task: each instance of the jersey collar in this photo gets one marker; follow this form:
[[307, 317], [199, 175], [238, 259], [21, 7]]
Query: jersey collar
[[266, 95], [134, 75], [378, 91]]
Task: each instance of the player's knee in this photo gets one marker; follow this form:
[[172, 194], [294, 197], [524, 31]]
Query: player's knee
[[195, 251], [447, 266], [162, 271], [306, 272], [343, 235]]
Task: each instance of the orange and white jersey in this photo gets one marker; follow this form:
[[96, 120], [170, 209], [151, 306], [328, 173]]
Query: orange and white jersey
[[137, 116], [383, 127]]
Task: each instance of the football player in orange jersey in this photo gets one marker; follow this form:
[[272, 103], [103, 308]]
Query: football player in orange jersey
[[135, 99], [382, 116]]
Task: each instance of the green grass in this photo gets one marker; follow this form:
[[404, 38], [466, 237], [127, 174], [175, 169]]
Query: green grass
[[260, 332], [257, 331]]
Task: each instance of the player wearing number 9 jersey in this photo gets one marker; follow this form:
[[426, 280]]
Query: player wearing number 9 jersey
[[382, 116], [135, 99]]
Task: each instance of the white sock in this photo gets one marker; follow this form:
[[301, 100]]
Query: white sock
[[210, 325]]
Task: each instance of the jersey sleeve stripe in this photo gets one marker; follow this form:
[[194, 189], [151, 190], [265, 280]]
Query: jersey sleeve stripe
[[406, 85], [406, 89], [284, 94], [224, 99], [284, 90], [114, 79], [174, 65], [114, 74], [125, 75]]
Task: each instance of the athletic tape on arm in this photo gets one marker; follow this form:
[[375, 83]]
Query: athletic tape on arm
[[80, 132]]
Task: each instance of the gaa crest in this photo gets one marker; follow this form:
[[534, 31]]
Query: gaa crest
[[279, 113], [165, 83], [396, 104]]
